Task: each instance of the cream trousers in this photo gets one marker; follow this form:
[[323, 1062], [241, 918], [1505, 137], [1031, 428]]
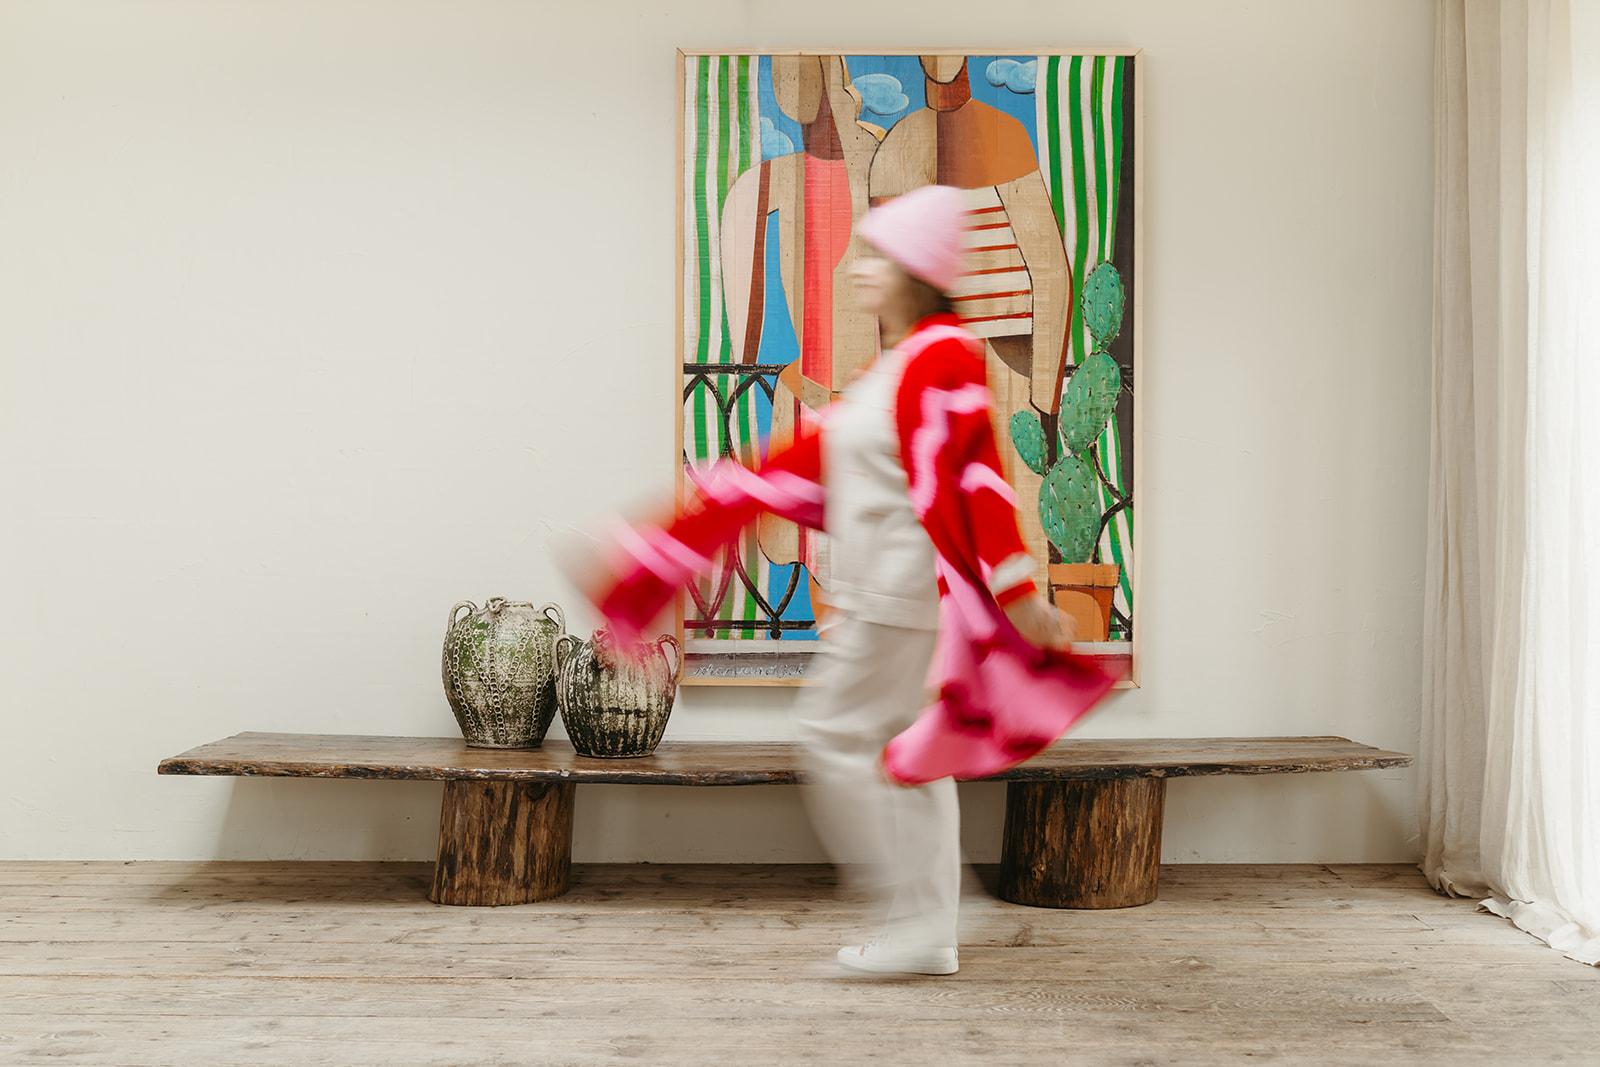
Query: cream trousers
[[903, 844]]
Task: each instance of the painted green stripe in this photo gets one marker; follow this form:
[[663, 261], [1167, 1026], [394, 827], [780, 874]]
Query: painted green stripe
[[744, 114], [741, 135], [1118, 73], [714, 198], [1103, 189], [749, 132], [727, 112], [738, 604], [701, 102], [749, 151], [739, 159], [1124, 520], [1111, 527], [740, 127], [727, 109], [1106, 501], [724, 121], [1103, 193], [702, 210], [697, 206], [1052, 112], [1123, 577], [1080, 193], [1127, 579], [702, 247], [756, 564], [1106, 443], [1080, 207]]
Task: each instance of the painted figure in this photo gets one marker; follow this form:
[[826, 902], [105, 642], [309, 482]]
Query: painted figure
[[1016, 291], [814, 198]]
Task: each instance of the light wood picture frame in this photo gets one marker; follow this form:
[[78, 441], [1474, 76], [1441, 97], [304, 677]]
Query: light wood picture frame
[[780, 153]]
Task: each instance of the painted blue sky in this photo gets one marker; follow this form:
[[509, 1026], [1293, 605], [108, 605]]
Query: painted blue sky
[[896, 84]]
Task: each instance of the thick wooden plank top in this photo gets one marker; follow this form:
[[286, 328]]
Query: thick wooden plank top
[[742, 762]]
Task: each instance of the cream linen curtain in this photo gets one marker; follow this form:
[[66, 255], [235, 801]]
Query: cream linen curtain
[[1511, 710]]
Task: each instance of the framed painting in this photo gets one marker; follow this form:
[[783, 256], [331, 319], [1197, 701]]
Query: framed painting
[[781, 154]]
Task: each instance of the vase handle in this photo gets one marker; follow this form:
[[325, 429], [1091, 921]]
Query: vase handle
[[566, 648], [469, 605], [675, 665], [553, 612]]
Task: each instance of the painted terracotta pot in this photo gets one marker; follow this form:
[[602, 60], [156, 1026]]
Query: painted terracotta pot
[[615, 700], [1085, 591], [499, 669]]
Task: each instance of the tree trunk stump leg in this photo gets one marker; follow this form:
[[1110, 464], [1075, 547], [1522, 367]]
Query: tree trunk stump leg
[[503, 842], [1082, 843]]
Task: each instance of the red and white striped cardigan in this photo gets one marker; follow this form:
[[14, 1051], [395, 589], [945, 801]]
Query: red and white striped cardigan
[[999, 699]]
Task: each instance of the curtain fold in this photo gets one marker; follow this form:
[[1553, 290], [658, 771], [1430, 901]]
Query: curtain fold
[[1511, 708]]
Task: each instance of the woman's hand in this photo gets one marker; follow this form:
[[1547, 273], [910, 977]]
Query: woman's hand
[[1040, 622]]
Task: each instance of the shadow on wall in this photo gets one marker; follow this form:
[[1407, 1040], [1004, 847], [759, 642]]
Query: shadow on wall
[[316, 819], [686, 824], [1358, 817], [736, 824]]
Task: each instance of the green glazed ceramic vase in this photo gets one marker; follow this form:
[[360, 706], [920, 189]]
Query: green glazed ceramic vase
[[499, 671]]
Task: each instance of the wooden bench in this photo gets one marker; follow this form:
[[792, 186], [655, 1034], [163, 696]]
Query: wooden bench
[[1082, 825]]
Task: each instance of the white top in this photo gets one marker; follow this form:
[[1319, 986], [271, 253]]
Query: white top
[[882, 561]]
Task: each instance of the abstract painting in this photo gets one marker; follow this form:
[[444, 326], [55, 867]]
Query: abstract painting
[[781, 156]]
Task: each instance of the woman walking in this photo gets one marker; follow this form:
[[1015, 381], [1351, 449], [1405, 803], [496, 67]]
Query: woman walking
[[927, 568]]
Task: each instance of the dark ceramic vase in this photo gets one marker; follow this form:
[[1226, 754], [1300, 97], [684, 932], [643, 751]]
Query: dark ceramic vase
[[615, 700]]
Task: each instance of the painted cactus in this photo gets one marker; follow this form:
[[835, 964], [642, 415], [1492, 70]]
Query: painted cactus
[[1102, 305], [1088, 402], [1069, 501], [1069, 507], [1028, 437]]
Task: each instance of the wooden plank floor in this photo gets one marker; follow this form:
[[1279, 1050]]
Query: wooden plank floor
[[303, 964]]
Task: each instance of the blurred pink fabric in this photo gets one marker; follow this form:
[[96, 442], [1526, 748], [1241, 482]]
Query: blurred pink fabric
[[1001, 701]]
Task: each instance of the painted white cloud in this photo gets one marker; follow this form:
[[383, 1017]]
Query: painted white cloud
[[774, 142], [882, 94], [1018, 77]]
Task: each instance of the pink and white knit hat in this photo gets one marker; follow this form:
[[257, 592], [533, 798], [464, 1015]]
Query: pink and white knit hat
[[922, 232]]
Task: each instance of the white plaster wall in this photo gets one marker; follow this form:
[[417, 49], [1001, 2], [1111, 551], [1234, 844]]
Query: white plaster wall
[[298, 301]]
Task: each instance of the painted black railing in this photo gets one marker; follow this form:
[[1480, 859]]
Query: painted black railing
[[768, 620], [708, 603]]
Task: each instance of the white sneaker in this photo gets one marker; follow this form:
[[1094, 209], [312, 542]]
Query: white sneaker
[[884, 957]]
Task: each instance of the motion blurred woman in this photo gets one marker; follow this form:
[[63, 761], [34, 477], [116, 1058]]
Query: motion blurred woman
[[903, 474]]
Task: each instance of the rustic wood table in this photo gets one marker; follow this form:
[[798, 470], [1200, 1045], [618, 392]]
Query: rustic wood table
[[1082, 826]]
